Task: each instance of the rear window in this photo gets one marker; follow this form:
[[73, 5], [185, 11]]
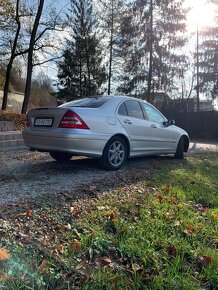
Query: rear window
[[95, 102]]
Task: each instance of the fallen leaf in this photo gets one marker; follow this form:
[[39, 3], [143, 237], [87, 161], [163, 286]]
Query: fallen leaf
[[91, 254], [29, 213], [106, 261], [173, 200], [58, 249], [111, 216], [136, 267], [68, 227], [22, 235], [171, 250], [189, 230], [81, 265], [159, 197], [151, 190], [76, 246], [102, 207], [4, 255], [43, 267], [177, 223], [215, 216], [205, 261], [168, 215], [24, 238], [74, 211]]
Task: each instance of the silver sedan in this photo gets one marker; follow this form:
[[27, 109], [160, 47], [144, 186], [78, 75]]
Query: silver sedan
[[111, 128]]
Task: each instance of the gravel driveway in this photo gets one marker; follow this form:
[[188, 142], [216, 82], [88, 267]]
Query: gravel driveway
[[25, 175]]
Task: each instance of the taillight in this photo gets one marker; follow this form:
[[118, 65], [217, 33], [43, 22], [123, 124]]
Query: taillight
[[72, 120]]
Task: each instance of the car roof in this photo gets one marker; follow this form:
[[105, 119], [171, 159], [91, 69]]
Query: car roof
[[111, 101]]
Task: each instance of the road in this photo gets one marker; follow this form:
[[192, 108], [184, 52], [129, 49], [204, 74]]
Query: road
[[203, 146]]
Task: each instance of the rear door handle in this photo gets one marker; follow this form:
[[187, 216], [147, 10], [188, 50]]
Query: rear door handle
[[127, 122], [153, 126]]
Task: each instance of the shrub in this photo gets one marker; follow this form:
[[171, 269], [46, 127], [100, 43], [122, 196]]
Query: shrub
[[19, 120]]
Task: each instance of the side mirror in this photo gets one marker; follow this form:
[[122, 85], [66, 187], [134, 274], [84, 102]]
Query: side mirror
[[169, 123]]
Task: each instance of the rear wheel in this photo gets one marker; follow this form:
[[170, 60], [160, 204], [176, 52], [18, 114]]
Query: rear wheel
[[180, 149], [115, 154], [61, 156]]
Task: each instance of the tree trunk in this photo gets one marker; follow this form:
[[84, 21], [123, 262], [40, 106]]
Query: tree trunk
[[150, 53], [12, 57], [30, 58], [111, 48], [88, 68]]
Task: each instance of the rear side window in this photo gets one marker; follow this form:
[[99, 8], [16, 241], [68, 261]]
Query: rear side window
[[134, 109], [122, 110], [95, 102]]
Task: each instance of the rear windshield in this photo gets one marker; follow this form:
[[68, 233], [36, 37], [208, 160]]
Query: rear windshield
[[95, 102]]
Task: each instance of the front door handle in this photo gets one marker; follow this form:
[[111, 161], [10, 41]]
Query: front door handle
[[127, 122], [153, 126]]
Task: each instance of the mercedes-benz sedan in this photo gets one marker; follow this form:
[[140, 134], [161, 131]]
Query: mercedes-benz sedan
[[111, 128]]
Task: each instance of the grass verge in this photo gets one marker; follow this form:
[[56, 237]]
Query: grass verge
[[156, 231]]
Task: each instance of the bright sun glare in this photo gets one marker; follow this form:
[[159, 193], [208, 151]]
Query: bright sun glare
[[201, 14]]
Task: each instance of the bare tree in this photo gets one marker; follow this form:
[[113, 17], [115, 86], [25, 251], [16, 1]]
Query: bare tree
[[12, 57], [30, 57], [21, 15]]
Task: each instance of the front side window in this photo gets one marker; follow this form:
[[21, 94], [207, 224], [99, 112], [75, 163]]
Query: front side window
[[153, 115]]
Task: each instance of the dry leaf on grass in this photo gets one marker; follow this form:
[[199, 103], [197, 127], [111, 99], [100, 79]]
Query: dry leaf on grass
[[43, 267], [76, 246], [111, 216], [4, 255], [204, 261], [29, 213]]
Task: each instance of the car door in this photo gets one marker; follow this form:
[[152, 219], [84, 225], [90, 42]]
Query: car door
[[163, 138], [131, 116]]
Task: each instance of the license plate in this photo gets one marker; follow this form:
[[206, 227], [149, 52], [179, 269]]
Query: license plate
[[47, 122]]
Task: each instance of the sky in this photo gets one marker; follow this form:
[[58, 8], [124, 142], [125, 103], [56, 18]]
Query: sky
[[201, 14]]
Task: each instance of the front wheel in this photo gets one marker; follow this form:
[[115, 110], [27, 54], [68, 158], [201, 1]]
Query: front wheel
[[114, 154], [180, 149], [61, 156]]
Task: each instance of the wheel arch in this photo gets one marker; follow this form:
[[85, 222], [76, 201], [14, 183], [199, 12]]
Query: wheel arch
[[126, 142], [186, 142]]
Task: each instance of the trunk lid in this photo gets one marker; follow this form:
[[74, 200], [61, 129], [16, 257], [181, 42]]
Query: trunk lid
[[46, 118]]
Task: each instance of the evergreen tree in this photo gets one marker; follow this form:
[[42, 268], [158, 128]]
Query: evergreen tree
[[208, 60], [110, 14], [155, 37], [80, 71]]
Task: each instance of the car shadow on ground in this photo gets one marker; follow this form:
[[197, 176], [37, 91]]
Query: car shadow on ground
[[79, 164]]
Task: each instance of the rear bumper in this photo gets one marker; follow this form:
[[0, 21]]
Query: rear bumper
[[79, 144]]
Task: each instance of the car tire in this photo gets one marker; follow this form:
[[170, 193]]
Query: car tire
[[114, 154], [61, 156], [180, 149]]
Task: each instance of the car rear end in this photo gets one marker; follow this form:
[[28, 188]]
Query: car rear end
[[79, 130]]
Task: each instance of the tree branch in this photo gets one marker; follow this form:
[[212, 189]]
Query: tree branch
[[46, 61]]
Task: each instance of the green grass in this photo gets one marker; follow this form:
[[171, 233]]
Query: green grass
[[157, 232]]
